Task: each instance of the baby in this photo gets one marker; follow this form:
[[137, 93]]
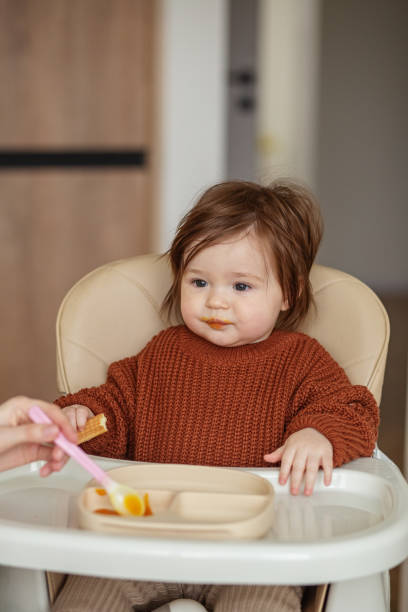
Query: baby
[[234, 385]]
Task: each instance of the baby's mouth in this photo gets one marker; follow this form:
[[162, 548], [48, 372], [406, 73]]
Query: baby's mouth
[[215, 323]]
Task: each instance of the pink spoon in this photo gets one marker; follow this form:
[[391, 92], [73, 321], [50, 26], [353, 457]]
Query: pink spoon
[[124, 499]]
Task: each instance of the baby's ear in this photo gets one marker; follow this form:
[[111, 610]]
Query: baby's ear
[[285, 301], [285, 305]]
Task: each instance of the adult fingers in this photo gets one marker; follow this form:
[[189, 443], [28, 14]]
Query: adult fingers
[[13, 436], [50, 467], [60, 419], [55, 458], [58, 454]]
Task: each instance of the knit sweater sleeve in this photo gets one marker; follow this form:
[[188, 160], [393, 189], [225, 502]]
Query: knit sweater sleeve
[[117, 399], [346, 414]]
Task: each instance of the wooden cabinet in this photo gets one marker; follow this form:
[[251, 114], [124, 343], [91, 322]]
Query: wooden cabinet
[[76, 75]]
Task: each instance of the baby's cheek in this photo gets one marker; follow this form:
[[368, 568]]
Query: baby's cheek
[[190, 307], [186, 316], [185, 302]]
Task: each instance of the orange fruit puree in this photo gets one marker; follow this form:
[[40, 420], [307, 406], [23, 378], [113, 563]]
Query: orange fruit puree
[[148, 511], [133, 504]]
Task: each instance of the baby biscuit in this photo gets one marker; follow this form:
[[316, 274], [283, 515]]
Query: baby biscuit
[[94, 427]]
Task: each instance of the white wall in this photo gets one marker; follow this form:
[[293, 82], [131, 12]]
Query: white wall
[[288, 68], [362, 182], [332, 98], [193, 36], [333, 92]]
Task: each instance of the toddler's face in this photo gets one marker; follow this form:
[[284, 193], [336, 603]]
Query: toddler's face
[[230, 294]]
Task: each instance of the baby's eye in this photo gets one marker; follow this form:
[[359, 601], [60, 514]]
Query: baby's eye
[[241, 287], [199, 282]]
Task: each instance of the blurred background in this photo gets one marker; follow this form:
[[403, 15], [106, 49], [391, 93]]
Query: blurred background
[[116, 114]]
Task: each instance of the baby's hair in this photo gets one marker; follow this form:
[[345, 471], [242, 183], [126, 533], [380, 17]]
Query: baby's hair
[[283, 215]]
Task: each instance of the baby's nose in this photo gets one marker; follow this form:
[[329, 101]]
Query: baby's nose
[[216, 299]]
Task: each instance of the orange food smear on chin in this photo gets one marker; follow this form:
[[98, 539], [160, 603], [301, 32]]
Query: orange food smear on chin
[[215, 323], [100, 491]]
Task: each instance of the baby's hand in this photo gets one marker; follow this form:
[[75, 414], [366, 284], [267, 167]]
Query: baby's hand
[[303, 452], [78, 415]]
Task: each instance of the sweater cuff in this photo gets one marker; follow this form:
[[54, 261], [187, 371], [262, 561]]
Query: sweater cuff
[[344, 438], [82, 400]]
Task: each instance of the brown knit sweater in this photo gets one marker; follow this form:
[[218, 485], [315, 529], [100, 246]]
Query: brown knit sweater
[[184, 400]]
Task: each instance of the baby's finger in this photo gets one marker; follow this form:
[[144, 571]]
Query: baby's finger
[[312, 467], [286, 466], [327, 470], [70, 413], [275, 456], [81, 417], [298, 469]]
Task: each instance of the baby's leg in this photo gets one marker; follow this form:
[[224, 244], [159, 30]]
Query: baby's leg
[[89, 594], [83, 593], [259, 598]]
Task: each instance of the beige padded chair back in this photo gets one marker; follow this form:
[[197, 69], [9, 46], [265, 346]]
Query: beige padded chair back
[[112, 312]]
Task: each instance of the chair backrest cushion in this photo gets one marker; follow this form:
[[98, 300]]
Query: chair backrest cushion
[[115, 310]]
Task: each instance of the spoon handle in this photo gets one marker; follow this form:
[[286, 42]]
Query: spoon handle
[[38, 416]]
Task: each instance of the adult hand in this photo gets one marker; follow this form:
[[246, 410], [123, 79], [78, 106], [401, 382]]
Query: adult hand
[[22, 441]]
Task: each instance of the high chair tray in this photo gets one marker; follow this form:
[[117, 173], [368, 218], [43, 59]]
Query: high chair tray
[[355, 527], [185, 501]]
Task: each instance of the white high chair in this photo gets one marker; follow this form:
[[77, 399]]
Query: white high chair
[[114, 311], [111, 313]]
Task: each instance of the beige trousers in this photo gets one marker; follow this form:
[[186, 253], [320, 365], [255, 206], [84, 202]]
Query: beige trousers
[[88, 594]]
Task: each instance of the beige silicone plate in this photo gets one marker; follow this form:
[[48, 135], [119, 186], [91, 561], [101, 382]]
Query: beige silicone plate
[[186, 501]]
